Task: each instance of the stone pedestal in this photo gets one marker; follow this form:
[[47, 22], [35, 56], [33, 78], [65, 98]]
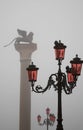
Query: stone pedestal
[[25, 51]]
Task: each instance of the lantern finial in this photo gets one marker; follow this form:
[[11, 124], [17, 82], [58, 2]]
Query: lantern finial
[[76, 55], [59, 41]]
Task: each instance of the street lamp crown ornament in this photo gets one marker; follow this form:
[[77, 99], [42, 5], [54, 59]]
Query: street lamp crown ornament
[[59, 81]]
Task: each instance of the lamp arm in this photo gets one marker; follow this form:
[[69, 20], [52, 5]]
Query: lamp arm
[[41, 124], [38, 88], [47, 121], [51, 81]]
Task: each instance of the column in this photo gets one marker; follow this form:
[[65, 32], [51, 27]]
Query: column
[[25, 51]]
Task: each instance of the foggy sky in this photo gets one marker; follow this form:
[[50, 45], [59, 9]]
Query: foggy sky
[[49, 20]]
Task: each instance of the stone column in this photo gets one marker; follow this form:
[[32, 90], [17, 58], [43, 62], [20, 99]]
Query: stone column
[[25, 51]]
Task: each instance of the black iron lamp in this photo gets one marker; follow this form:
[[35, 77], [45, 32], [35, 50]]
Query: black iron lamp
[[60, 81], [32, 74], [48, 121]]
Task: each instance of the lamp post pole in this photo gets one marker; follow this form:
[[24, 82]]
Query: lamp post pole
[[59, 114], [50, 119], [60, 81], [47, 122], [59, 125]]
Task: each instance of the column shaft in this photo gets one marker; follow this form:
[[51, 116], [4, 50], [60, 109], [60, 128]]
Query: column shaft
[[25, 51]]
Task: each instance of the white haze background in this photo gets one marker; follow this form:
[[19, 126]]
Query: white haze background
[[49, 20]]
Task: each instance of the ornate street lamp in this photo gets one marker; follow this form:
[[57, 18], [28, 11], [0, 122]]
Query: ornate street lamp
[[58, 80], [49, 121]]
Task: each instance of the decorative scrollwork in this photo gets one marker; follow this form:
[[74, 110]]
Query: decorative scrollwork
[[55, 80], [47, 122]]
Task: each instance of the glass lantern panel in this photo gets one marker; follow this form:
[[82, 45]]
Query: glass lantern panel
[[76, 68], [52, 118], [32, 75], [38, 118], [70, 78], [59, 53]]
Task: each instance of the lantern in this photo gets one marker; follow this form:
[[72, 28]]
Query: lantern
[[32, 72], [59, 50], [52, 117], [70, 75], [38, 118], [47, 111], [76, 65]]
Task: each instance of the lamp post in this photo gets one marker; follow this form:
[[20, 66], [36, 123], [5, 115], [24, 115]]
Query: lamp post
[[58, 80], [49, 121]]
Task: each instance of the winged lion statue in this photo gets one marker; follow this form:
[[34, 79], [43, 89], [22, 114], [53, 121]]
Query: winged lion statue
[[23, 37]]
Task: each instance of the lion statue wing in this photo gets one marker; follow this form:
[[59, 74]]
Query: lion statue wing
[[23, 33]]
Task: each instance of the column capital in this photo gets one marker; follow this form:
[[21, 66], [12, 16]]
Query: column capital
[[25, 50]]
